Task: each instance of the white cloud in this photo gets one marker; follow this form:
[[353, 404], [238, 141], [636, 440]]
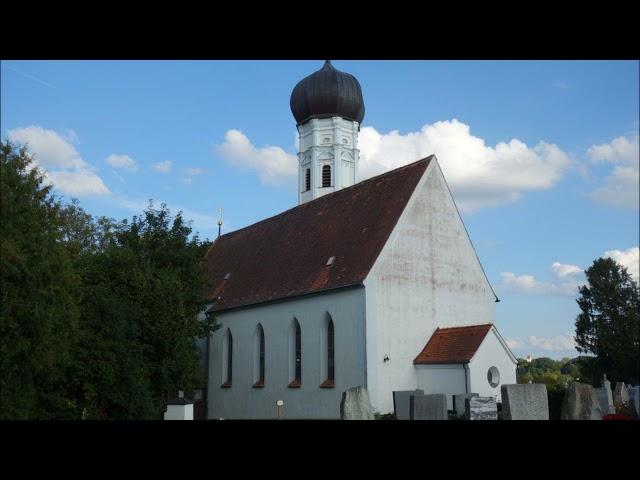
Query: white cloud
[[567, 279], [273, 164], [619, 150], [629, 258], [479, 175], [60, 162], [539, 346], [50, 149], [79, 183], [122, 161], [192, 172], [621, 187], [563, 270], [162, 167]]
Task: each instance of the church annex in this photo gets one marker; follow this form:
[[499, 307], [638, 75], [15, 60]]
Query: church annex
[[372, 284]]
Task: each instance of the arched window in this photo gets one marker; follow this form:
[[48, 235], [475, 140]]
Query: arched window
[[330, 352], [307, 180], [295, 348], [227, 360], [327, 349], [326, 176], [258, 358]]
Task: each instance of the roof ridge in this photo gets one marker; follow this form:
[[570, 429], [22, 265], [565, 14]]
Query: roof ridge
[[363, 182]]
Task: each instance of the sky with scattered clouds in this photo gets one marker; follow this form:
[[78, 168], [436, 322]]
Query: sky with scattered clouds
[[541, 157]]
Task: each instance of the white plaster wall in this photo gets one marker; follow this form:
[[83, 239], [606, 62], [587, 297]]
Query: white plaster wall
[[427, 276], [241, 401], [491, 353], [447, 378]]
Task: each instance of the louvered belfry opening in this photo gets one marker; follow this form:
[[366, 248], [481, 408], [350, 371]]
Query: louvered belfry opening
[[326, 176], [307, 180]]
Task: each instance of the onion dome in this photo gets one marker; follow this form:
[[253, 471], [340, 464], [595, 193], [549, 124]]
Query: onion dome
[[327, 93]]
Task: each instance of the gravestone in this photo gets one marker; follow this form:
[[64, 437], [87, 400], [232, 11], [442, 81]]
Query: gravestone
[[356, 405], [580, 403], [527, 401], [621, 395], [459, 405], [428, 407], [179, 409], [481, 408], [634, 400], [401, 403], [605, 397]]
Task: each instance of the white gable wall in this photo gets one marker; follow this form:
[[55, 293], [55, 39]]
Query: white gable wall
[[427, 276], [491, 353]]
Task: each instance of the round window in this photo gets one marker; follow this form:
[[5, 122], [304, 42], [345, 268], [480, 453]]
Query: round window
[[493, 375]]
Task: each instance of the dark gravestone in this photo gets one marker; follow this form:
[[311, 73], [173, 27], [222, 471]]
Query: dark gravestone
[[481, 408], [580, 403], [459, 403], [401, 403], [428, 407]]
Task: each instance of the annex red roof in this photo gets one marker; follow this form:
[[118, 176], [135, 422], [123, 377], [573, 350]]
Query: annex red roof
[[453, 345], [287, 255]]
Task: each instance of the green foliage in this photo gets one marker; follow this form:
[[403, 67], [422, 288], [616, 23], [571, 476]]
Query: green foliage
[[142, 295], [608, 325], [98, 319], [39, 294]]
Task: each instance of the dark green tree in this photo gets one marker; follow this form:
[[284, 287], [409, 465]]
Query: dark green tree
[[608, 325], [142, 293], [39, 294]]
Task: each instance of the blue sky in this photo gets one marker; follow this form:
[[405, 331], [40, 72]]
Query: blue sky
[[542, 157]]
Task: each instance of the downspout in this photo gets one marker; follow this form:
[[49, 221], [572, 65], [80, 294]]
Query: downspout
[[466, 378]]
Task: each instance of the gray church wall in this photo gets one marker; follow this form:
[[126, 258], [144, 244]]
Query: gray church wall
[[241, 400]]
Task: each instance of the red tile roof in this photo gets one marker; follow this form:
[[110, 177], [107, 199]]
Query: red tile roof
[[286, 255], [453, 345]]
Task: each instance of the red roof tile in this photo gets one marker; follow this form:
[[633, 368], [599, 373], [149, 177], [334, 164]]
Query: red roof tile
[[286, 255], [453, 345]]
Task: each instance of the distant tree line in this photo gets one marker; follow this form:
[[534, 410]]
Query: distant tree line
[[98, 318]]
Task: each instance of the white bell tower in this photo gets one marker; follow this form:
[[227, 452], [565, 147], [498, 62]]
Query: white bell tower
[[328, 157], [329, 109]]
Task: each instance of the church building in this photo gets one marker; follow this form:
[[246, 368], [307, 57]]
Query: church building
[[373, 283]]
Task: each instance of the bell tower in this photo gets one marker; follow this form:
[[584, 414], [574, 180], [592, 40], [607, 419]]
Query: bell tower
[[328, 108]]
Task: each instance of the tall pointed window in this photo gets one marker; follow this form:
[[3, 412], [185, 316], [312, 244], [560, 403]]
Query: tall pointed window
[[295, 346], [307, 180], [326, 176], [330, 352], [227, 360], [327, 347], [258, 358]]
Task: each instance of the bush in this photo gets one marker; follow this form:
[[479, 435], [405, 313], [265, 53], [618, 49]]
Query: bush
[[555, 395]]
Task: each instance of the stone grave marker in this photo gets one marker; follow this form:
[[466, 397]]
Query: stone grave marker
[[527, 401], [459, 404], [401, 403], [634, 400], [481, 408], [621, 395], [428, 407], [580, 403], [605, 397], [356, 405]]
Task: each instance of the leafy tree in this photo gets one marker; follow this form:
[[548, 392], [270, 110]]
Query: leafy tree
[[39, 294], [608, 325], [141, 297]]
